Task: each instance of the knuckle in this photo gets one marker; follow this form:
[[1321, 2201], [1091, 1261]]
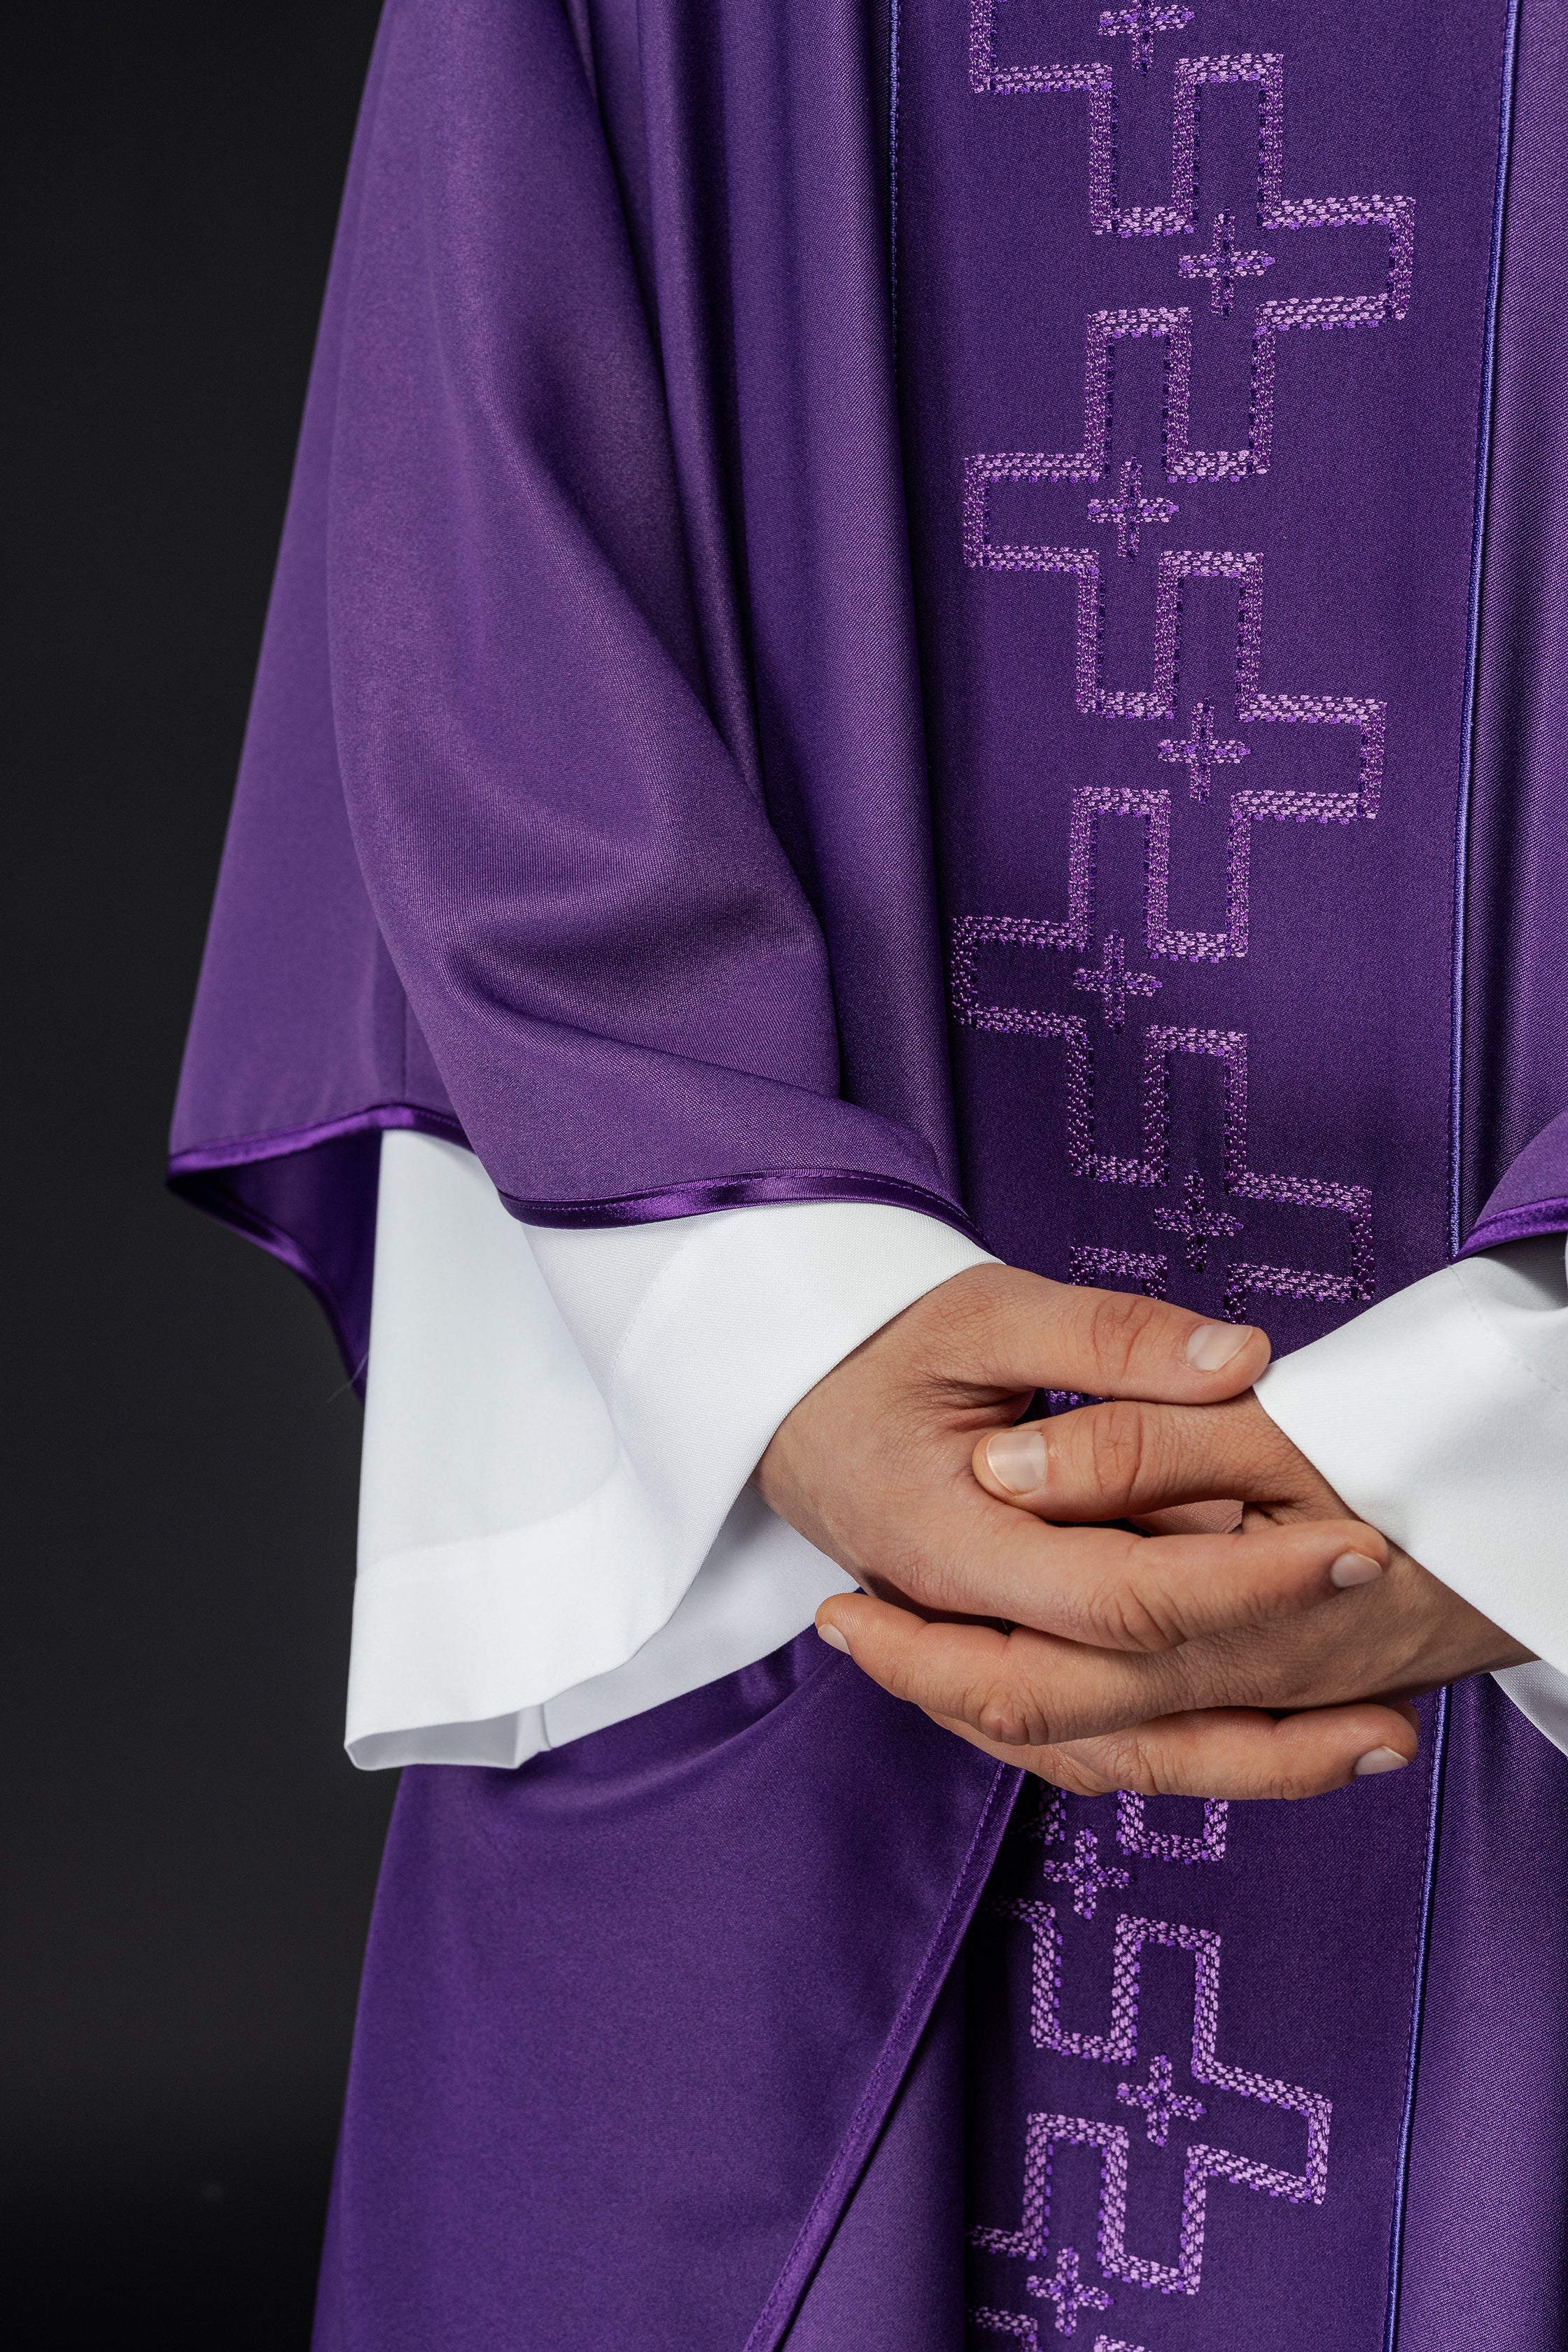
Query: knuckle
[[1118, 1324], [1116, 1442]]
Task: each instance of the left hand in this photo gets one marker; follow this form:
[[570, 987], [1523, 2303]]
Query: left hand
[[1398, 1633]]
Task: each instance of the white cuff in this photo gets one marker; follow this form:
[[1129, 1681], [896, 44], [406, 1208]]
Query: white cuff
[[1441, 1415], [558, 1427]]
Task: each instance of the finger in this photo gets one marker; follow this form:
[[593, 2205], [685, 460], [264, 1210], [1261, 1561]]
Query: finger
[[1228, 1752], [1129, 1458], [1112, 1589], [1021, 1689], [1036, 1334]]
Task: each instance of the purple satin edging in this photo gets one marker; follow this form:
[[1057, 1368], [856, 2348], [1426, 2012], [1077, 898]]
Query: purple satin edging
[[914, 2014], [244, 1151], [1523, 1224], [194, 1175], [253, 1226], [775, 1190], [1472, 647], [1418, 2003]]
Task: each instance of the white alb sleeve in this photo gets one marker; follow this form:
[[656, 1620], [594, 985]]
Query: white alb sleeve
[[555, 1526], [1441, 1415]]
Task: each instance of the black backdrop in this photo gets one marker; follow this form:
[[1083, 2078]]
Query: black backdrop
[[189, 1856]]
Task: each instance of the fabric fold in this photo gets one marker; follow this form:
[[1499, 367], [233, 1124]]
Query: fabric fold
[[554, 1529]]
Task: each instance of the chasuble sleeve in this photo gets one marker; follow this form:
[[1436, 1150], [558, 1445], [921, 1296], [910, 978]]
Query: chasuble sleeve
[[555, 1527], [583, 814]]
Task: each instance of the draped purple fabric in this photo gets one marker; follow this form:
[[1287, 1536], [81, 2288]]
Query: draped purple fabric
[[635, 2017], [584, 806], [672, 671]]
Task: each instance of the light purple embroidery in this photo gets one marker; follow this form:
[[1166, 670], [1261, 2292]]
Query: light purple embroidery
[[1116, 1269], [1203, 2162], [1160, 2101], [1176, 567], [1068, 2292], [1202, 751], [1197, 1223], [1129, 510], [1085, 1873], [1142, 21], [1088, 464], [1133, 1835], [1008, 2323], [1222, 264], [1113, 983], [1046, 1820], [1151, 1167]]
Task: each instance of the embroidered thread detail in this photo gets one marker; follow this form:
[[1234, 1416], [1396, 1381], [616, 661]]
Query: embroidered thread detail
[[1134, 1836], [1113, 983], [1197, 1223], [1068, 2292], [1129, 510], [1160, 2100], [1085, 1873], [1222, 264], [1008, 2323], [1142, 21], [1203, 2162], [1201, 752], [1046, 1822], [1115, 1269]]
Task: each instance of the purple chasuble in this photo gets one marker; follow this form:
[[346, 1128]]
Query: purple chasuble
[[966, 610]]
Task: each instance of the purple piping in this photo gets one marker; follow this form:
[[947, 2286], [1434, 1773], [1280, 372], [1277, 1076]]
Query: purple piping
[[254, 1226], [1472, 649], [242, 1150], [1521, 1224], [888, 2074], [776, 1189], [1417, 2010]]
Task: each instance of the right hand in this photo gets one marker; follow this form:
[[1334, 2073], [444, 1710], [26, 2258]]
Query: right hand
[[874, 1467]]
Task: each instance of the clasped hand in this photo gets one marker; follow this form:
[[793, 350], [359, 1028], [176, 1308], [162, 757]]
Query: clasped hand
[[1256, 1640]]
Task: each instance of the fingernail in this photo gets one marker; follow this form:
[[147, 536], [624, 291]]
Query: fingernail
[[1380, 1759], [834, 1638], [1016, 1459], [1353, 1568], [1213, 1345]]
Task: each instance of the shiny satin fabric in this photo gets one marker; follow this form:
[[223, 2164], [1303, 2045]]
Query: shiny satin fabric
[[644, 718], [585, 807], [634, 2016], [673, 2037]]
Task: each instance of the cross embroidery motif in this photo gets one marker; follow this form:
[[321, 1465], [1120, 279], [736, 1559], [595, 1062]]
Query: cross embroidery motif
[[1200, 754], [1130, 508], [1159, 2101], [1197, 1223], [1113, 983], [1222, 264], [1086, 1874], [1141, 22], [1068, 2291]]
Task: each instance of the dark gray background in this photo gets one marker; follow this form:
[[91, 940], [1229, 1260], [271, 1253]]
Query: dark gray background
[[189, 1858]]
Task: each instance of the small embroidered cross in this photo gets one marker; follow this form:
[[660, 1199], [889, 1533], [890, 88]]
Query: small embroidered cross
[[1159, 2101], [1197, 1223], [1200, 753], [1113, 983], [1222, 264], [1085, 1873], [1130, 508], [1068, 2291], [1142, 21]]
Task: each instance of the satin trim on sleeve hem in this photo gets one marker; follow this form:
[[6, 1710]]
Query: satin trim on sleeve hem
[[1521, 1224]]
